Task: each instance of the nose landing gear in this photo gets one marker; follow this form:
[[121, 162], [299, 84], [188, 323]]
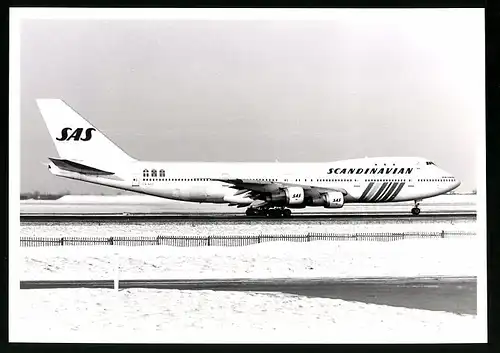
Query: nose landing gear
[[415, 210]]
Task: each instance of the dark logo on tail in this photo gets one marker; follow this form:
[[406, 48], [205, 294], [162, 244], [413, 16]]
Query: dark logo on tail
[[76, 134]]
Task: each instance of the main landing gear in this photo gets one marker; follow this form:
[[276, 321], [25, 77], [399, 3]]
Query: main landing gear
[[415, 210], [269, 212]]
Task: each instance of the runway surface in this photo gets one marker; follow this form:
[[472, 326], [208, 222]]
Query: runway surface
[[452, 294], [239, 217]]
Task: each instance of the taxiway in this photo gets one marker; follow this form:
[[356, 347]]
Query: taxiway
[[452, 294]]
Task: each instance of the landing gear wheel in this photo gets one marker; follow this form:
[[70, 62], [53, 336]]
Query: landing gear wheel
[[415, 210], [287, 212], [251, 212], [275, 213]]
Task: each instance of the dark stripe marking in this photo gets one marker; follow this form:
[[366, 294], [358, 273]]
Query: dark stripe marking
[[368, 188], [396, 193], [378, 192], [391, 190], [384, 192]]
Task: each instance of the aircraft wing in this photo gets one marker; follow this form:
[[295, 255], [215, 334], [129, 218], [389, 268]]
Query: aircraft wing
[[256, 188], [245, 185]]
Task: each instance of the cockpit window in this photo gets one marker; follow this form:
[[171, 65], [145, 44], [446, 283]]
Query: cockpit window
[[429, 163]]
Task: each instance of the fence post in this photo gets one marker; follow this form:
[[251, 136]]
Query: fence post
[[158, 240], [442, 234], [258, 239], [62, 241], [111, 241], [308, 236], [117, 273], [208, 240]]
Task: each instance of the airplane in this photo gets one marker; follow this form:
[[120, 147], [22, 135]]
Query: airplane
[[269, 189]]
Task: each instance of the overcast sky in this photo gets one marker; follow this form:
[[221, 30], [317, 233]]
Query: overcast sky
[[398, 83]]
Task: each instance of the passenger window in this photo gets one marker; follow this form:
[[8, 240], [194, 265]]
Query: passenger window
[[145, 173], [153, 173]]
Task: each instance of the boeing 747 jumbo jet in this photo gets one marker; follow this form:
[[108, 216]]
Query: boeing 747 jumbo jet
[[266, 189]]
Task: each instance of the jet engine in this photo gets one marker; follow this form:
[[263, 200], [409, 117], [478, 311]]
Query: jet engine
[[293, 195], [333, 199]]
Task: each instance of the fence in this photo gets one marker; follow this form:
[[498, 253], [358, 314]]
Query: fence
[[238, 240]]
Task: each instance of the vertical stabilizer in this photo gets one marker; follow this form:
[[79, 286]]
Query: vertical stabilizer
[[78, 140]]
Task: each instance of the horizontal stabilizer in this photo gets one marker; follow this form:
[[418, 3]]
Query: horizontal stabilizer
[[71, 166]]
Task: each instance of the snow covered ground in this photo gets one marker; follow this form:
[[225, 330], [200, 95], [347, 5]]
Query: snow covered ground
[[410, 257], [215, 228], [148, 315], [142, 315]]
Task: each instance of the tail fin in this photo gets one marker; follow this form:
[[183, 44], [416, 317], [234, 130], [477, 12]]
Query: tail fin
[[78, 140]]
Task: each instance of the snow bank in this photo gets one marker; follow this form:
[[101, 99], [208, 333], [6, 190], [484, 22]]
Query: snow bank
[[141, 315], [139, 199], [250, 227], [410, 257]]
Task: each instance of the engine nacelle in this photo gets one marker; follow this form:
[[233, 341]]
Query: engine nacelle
[[333, 199], [289, 196], [294, 195]]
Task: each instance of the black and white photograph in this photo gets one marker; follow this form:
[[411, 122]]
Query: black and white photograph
[[247, 175]]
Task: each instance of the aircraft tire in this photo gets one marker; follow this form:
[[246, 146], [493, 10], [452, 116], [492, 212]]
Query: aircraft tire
[[415, 211], [250, 212], [287, 212]]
